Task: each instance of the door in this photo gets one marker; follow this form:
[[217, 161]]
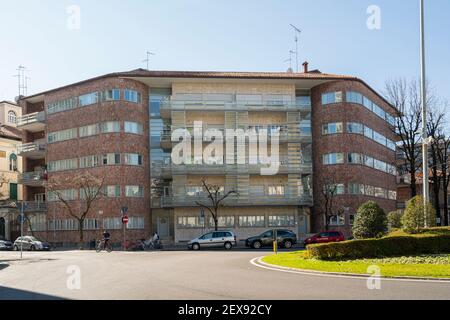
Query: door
[[2, 228], [323, 237], [267, 238], [163, 227], [207, 240], [219, 239], [13, 191]]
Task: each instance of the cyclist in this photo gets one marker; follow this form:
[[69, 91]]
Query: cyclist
[[106, 238]]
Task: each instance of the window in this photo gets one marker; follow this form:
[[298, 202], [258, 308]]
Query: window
[[88, 99], [282, 221], [63, 135], [86, 193], [190, 222], [89, 162], [133, 127], [68, 195], [379, 138], [194, 191], [355, 188], [337, 220], [333, 158], [368, 104], [90, 130], [392, 195], [134, 191], [132, 159], [332, 128], [110, 127], [331, 97], [112, 224], [111, 159], [252, 221], [250, 99], [91, 224], [136, 223], [224, 222], [112, 191], [369, 161], [133, 96], [355, 128], [39, 222], [13, 162], [379, 112], [63, 225], [368, 133], [12, 117], [62, 105], [276, 191], [111, 95], [380, 193], [354, 97], [355, 158], [380, 165], [62, 165]]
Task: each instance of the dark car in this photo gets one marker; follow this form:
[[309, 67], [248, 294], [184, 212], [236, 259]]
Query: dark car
[[285, 238], [325, 237], [5, 245]]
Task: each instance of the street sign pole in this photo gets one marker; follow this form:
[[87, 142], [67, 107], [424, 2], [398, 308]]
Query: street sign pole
[[22, 218], [124, 212]]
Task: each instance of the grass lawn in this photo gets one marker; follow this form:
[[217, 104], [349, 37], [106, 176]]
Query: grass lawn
[[432, 266]]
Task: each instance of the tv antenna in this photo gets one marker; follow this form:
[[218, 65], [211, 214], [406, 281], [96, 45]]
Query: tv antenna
[[148, 58], [22, 80], [297, 34], [291, 52]]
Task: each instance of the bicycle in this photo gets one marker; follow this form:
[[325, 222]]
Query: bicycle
[[101, 246]]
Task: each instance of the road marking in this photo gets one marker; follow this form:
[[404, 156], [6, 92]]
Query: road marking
[[257, 262]]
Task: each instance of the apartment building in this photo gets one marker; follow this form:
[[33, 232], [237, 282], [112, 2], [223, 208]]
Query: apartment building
[[121, 126]]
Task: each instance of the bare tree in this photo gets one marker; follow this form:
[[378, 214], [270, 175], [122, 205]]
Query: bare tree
[[405, 97], [216, 198], [90, 189], [329, 192], [444, 160]]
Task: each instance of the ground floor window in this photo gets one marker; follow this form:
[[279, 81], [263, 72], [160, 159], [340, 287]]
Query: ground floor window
[[136, 223], [252, 221], [224, 222], [282, 221], [337, 220], [91, 224], [112, 224], [63, 225], [38, 223], [190, 222]]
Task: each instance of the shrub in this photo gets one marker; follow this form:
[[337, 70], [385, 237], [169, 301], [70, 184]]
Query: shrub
[[395, 219], [414, 218], [381, 248], [370, 221]]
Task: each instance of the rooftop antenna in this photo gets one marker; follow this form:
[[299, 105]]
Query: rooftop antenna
[[148, 58], [22, 80], [290, 59], [297, 33]]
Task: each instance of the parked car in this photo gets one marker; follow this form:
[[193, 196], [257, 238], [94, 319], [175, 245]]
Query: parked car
[[325, 237], [5, 245], [31, 244], [216, 239], [285, 238]]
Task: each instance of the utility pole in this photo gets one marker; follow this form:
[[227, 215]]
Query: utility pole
[[426, 187]]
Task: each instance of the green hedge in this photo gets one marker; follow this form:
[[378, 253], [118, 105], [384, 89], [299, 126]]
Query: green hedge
[[380, 248]]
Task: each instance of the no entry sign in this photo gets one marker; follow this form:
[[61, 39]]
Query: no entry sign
[[125, 220]]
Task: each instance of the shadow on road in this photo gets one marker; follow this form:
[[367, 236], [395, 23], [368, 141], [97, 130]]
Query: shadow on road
[[16, 294], [3, 266]]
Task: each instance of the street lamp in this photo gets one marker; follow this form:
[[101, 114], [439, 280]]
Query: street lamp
[[426, 187]]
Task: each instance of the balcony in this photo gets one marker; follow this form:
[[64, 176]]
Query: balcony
[[33, 122], [35, 206], [33, 179], [34, 150], [213, 105], [233, 201]]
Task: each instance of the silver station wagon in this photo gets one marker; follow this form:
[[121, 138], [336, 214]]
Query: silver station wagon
[[216, 239]]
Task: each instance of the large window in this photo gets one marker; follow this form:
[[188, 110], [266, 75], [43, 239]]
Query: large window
[[63, 135], [89, 161], [111, 159], [136, 223], [112, 224], [333, 158], [355, 158], [88, 99], [12, 117], [91, 224], [111, 95], [90, 130], [276, 190], [62, 165], [112, 191], [133, 127], [252, 221], [332, 128], [133, 96], [282, 221], [63, 225], [224, 222], [331, 97], [13, 162], [190, 222], [134, 191], [354, 97], [67, 195], [355, 128], [133, 159], [110, 127], [62, 105]]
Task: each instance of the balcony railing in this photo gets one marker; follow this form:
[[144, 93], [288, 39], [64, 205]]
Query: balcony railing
[[234, 201], [36, 178], [34, 149], [33, 122], [201, 105], [35, 206]]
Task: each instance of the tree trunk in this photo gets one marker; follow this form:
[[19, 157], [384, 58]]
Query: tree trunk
[[80, 229], [446, 209], [413, 185]]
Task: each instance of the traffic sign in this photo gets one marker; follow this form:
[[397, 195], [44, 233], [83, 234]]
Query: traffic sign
[[124, 211], [202, 213], [125, 220], [21, 218]]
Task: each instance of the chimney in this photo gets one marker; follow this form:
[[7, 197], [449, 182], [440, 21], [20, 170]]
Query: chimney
[[305, 66]]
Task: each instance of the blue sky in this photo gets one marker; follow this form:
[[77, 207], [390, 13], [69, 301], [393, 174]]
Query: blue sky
[[237, 35]]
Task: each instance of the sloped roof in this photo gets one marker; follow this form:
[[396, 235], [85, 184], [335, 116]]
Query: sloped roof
[[8, 132]]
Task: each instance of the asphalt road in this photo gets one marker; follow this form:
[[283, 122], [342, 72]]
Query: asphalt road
[[183, 275]]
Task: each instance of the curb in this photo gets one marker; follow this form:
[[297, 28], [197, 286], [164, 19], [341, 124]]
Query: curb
[[259, 263]]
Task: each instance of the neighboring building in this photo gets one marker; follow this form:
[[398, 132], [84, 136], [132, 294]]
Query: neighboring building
[[10, 167], [120, 126]]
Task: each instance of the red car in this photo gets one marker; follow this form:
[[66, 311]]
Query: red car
[[325, 237]]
